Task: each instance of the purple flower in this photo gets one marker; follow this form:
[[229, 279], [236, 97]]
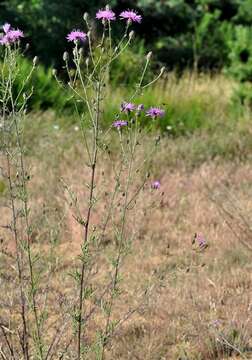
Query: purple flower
[[155, 185], [15, 35], [76, 35], [119, 123], [155, 112], [127, 107], [10, 35], [4, 40], [216, 323], [6, 28], [131, 15], [105, 15], [202, 243]]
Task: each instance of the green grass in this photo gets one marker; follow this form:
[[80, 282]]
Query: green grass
[[193, 102], [200, 124]]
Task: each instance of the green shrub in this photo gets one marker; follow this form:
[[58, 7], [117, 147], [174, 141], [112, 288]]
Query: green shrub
[[125, 71], [240, 68]]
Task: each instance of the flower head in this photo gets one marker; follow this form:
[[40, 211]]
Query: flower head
[[6, 28], [155, 112], [105, 15], [120, 123], [156, 185], [76, 35], [216, 323], [131, 15], [127, 107], [10, 35], [201, 241]]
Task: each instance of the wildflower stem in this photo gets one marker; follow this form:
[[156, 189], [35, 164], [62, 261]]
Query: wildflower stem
[[28, 241], [25, 343], [121, 242], [90, 205], [9, 62]]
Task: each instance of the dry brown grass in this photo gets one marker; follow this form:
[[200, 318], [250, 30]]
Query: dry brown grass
[[192, 288]]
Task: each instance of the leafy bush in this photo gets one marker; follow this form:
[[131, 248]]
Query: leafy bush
[[124, 71], [241, 62]]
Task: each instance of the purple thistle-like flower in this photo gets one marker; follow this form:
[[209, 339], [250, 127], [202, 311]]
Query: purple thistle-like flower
[[127, 107], [155, 112], [10, 35], [216, 323], [120, 123], [15, 35], [6, 28], [202, 243], [4, 40], [76, 35], [131, 15], [156, 185], [105, 15]]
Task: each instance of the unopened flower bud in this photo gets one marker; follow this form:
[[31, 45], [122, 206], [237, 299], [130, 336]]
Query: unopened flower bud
[[35, 61], [65, 56], [27, 46], [107, 7], [131, 34], [162, 70], [149, 55], [85, 16]]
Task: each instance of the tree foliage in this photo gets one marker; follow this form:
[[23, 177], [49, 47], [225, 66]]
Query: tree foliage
[[184, 33]]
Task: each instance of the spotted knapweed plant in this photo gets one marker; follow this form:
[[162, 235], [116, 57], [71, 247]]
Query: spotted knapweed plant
[[15, 176], [86, 315]]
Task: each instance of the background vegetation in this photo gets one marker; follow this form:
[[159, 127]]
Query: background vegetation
[[204, 35]]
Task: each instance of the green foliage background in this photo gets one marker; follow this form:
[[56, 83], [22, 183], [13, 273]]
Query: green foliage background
[[195, 34], [183, 32]]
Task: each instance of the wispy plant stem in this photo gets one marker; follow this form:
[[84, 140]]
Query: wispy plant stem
[[90, 205]]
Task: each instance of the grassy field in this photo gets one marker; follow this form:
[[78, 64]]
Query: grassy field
[[199, 304]]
